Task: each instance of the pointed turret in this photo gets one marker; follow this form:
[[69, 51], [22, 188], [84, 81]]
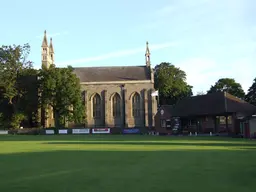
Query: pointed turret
[[45, 42], [51, 51], [46, 61], [51, 46], [147, 55]]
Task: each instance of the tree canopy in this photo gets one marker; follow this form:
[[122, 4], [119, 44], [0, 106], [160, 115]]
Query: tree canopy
[[60, 89], [228, 85], [19, 84], [13, 62], [251, 94], [14, 65], [171, 83]]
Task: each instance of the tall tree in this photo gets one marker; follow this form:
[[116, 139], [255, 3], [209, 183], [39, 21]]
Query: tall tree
[[1, 120], [29, 102], [228, 85], [60, 89], [251, 94], [13, 63], [171, 83]]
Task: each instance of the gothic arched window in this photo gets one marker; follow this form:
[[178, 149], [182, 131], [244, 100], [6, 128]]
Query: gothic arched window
[[96, 101], [116, 105], [136, 105]]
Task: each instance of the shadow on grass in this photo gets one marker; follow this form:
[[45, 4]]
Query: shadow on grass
[[115, 138], [126, 171], [153, 143]]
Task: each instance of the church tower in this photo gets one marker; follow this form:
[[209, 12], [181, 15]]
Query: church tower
[[47, 52]]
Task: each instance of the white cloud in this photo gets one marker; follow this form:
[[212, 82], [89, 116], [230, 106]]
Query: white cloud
[[117, 54], [223, 38], [219, 36], [53, 34], [204, 72], [197, 70], [242, 71]]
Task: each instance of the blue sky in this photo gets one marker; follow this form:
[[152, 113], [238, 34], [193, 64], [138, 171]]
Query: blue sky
[[208, 39]]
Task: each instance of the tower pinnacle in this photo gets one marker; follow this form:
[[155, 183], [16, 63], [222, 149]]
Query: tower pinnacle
[[147, 55], [45, 42], [51, 46]]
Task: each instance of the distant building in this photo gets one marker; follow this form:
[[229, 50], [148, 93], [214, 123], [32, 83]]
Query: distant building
[[113, 96]]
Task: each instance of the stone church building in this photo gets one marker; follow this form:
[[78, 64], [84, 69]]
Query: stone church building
[[118, 96]]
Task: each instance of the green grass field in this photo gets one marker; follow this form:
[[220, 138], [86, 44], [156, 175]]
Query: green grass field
[[126, 164]]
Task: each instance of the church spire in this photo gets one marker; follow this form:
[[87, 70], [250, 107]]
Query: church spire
[[45, 42], [51, 46], [51, 52], [147, 55]]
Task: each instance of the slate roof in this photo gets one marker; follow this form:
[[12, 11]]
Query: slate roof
[[123, 73], [210, 104]]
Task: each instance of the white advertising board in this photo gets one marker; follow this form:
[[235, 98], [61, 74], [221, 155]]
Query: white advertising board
[[80, 131], [101, 130], [3, 132], [63, 131], [49, 132]]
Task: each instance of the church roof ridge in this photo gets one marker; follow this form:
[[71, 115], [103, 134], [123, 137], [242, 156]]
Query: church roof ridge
[[130, 66]]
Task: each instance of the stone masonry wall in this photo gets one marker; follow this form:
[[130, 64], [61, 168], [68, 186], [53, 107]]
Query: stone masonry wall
[[106, 91]]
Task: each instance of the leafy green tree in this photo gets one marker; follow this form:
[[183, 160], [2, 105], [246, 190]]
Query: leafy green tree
[[251, 94], [13, 63], [16, 120], [171, 83], [60, 89], [1, 120], [228, 85], [29, 102]]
